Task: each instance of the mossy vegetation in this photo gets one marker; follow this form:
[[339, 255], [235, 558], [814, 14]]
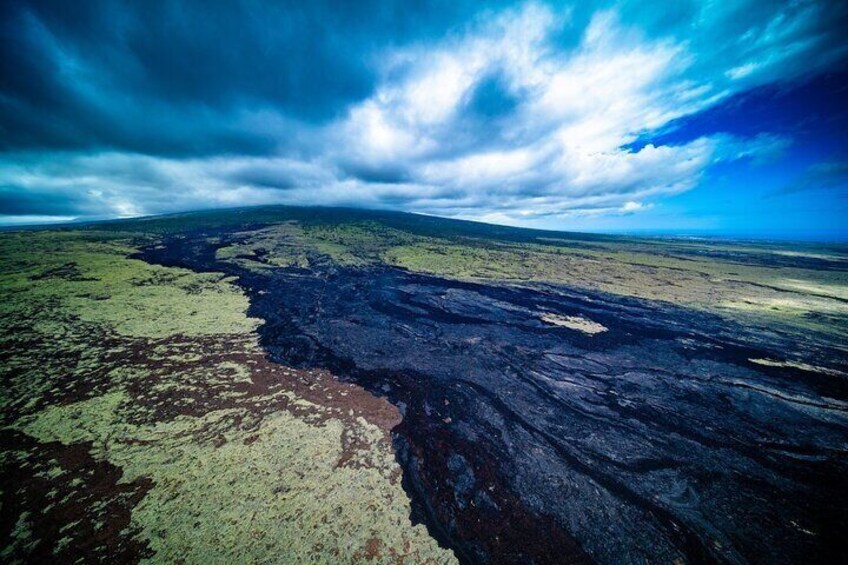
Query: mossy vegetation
[[801, 286], [90, 277], [142, 421], [253, 491], [273, 247], [738, 282]]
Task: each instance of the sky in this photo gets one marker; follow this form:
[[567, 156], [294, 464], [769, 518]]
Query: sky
[[686, 117]]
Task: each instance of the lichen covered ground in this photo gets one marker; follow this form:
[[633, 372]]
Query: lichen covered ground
[[337, 386], [140, 420]]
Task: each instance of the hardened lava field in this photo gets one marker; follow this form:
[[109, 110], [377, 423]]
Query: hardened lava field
[[280, 383]]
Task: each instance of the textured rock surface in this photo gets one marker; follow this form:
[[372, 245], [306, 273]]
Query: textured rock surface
[[527, 396], [658, 439], [141, 420]]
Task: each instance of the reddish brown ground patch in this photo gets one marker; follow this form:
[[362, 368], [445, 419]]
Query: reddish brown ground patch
[[85, 513], [84, 505]]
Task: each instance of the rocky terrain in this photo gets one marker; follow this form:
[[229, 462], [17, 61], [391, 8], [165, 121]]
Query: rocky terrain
[[520, 396]]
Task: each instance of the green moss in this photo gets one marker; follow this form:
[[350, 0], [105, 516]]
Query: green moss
[[152, 369], [799, 299], [217, 497], [279, 246], [355, 244], [21, 538], [127, 295], [74, 304]]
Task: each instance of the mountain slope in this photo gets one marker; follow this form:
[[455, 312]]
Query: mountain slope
[[540, 396]]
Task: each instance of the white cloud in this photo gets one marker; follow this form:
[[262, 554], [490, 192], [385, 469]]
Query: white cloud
[[29, 219], [742, 70], [563, 142], [559, 148], [631, 206]]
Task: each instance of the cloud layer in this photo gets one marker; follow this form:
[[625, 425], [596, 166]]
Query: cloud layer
[[508, 114]]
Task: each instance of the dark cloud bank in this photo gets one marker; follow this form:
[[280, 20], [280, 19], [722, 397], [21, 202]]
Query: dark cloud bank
[[505, 112]]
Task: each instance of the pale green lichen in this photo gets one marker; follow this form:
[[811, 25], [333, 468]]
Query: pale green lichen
[[21, 537], [96, 282], [798, 365], [281, 496], [576, 323], [271, 477]]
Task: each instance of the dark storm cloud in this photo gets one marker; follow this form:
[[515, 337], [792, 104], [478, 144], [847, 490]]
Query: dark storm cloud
[[14, 202], [377, 174], [174, 77], [501, 111], [264, 177]]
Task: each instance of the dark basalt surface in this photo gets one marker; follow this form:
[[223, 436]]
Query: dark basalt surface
[[525, 442]]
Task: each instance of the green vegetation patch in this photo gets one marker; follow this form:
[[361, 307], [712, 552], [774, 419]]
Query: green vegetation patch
[[90, 277], [246, 493], [141, 420], [279, 246]]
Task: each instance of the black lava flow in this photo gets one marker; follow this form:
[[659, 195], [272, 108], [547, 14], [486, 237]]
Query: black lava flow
[[526, 442]]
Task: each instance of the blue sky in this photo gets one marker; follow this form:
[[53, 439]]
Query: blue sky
[[724, 118]]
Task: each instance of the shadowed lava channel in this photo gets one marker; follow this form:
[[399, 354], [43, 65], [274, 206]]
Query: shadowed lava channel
[[523, 441]]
